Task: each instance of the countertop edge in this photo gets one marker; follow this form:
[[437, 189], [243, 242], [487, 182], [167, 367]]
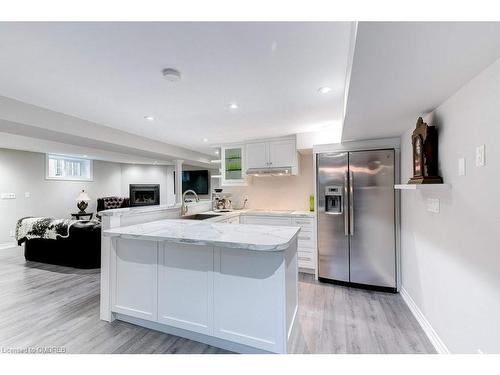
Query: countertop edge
[[137, 210], [232, 245]]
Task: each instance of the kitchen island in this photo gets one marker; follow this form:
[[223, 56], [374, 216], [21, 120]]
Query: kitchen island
[[228, 285]]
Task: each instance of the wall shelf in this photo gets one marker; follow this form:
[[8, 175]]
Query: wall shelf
[[422, 187]]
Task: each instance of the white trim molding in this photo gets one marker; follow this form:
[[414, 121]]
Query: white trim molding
[[368, 144], [7, 245], [435, 340]]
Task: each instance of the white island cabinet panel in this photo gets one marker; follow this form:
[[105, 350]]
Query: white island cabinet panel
[[185, 286], [134, 265], [249, 298], [226, 285]]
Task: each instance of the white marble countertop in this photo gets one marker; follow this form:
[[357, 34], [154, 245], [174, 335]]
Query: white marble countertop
[[138, 210], [263, 212], [248, 211], [249, 237]]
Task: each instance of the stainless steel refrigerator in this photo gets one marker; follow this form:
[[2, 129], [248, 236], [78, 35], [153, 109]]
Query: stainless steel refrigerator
[[356, 218]]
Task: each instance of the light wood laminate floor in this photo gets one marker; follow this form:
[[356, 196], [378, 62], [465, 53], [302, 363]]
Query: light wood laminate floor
[[46, 305]]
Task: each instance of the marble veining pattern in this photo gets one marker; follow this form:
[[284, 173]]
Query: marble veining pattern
[[249, 212], [249, 237], [138, 210], [285, 213]]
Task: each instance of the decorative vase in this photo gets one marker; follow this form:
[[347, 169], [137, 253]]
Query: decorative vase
[[82, 206]]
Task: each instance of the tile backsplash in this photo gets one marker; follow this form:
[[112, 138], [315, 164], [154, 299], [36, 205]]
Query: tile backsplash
[[277, 192]]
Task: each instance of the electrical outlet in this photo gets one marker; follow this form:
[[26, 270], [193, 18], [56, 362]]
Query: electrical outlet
[[433, 205], [461, 167], [8, 196], [480, 156], [27, 194], [11, 233]]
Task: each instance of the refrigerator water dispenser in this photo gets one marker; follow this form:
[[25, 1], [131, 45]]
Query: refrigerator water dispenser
[[334, 199]]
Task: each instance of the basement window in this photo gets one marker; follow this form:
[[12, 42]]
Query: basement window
[[60, 167]]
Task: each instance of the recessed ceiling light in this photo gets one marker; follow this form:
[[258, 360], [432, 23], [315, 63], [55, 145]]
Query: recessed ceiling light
[[324, 90], [172, 75], [149, 118], [233, 105], [205, 140]]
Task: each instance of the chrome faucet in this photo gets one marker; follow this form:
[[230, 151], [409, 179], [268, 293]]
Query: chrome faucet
[[184, 208]]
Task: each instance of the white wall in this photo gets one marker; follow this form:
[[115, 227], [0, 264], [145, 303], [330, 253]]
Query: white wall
[[278, 192], [22, 172], [451, 260]]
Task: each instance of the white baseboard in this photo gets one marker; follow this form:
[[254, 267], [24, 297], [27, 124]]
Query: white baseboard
[[7, 245], [424, 323]]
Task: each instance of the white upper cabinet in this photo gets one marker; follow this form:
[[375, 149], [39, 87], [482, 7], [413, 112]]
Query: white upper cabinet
[[281, 153], [233, 165], [257, 155], [266, 154]]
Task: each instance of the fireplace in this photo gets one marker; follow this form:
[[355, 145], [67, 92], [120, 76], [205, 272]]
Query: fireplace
[[144, 195]]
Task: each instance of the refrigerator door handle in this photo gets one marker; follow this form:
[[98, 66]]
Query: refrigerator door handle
[[346, 214], [351, 204]]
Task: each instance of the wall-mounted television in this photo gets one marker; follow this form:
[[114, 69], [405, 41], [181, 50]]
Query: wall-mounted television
[[195, 180]]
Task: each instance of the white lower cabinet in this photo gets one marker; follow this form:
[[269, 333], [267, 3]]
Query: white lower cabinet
[[247, 289], [238, 296], [266, 220], [306, 259], [306, 237], [134, 289], [185, 286]]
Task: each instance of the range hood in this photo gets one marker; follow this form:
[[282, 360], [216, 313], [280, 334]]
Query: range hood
[[281, 171]]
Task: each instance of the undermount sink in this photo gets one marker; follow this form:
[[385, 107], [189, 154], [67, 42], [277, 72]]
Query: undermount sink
[[199, 216]]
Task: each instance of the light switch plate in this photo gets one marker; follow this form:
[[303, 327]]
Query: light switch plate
[[433, 205], [461, 167], [480, 157], [27, 194]]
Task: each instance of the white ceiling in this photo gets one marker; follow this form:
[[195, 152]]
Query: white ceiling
[[110, 73], [402, 70]]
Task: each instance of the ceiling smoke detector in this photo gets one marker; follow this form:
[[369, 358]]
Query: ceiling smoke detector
[[172, 75]]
